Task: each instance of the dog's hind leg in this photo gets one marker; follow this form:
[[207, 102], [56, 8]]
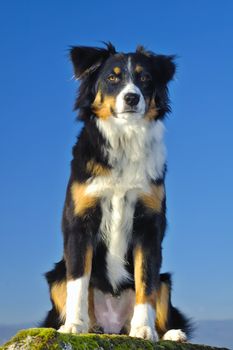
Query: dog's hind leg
[[56, 279], [52, 320], [56, 317], [171, 324]]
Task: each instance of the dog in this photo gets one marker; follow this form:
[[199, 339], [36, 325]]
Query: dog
[[114, 217]]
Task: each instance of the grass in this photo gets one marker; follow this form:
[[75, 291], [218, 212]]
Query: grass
[[50, 339]]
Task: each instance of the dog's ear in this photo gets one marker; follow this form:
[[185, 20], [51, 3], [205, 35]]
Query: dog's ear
[[87, 59], [164, 67]]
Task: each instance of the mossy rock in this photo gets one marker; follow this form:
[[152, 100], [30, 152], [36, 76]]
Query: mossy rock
[[49, 339]]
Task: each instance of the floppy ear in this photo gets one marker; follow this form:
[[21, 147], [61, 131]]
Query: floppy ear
[[164, 67], [87, 59]]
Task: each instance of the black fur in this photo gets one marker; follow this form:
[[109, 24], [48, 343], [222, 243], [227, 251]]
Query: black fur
[[89, 63], [93, 66], [176, 319]]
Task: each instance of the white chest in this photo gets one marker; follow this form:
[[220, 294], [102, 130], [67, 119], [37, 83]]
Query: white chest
[[115, 228], [137, 155]]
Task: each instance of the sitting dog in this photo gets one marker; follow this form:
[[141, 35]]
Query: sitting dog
[[114, 216]]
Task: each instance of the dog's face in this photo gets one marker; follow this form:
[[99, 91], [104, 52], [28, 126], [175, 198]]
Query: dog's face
[[128, 86], [124, 88]]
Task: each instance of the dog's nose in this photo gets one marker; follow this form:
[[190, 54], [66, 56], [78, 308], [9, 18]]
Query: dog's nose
[[131, 99]]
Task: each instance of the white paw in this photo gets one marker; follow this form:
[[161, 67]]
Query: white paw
[[145, 332], [175, 335], [73, 328]]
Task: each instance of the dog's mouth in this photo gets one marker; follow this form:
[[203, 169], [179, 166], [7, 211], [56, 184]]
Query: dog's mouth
[[129, 115], [128, 111]]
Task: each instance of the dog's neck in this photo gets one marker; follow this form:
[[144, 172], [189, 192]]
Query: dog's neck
[[136, 141]]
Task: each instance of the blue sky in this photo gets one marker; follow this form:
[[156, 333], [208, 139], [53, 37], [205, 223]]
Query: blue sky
[[38, 129]]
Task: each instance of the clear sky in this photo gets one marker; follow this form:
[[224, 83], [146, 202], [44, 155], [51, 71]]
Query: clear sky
[[38, 129]]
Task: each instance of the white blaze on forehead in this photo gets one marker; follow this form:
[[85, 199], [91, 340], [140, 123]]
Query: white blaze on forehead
[[129, 65], [130, 87]]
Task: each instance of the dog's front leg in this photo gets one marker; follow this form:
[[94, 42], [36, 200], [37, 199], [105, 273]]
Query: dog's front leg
[[146, 275], [78, 257]]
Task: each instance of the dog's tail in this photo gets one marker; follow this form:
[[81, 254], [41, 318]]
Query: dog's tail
[[169, 317]]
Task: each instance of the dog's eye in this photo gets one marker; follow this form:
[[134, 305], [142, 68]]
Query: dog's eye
[[113, 78], [145, 78]]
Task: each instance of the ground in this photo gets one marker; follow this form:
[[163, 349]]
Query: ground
[[49, 339]]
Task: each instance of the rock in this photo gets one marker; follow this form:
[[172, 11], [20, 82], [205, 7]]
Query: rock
[[49, 339]]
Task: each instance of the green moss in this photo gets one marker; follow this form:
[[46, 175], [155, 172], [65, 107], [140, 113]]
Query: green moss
[[49, 339], [35, 339]]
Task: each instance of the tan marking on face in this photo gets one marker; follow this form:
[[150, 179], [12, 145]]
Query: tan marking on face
[[103, 109], [97, 169], [117, 70], [152, 111], [162, 305], [58, 296], [154, 199], [82, 201], [140, 287], [138, 68]]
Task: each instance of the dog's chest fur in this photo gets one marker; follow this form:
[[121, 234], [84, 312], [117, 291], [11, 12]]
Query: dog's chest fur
[[136, 154]]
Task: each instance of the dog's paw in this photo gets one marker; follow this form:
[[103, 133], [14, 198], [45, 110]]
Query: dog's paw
[[145, 332], [175, 335], [143, 323], [73, 328]]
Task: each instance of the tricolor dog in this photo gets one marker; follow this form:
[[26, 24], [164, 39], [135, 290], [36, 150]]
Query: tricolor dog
[[114, 216]]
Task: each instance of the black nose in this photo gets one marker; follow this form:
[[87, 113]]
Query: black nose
[[132, 99]]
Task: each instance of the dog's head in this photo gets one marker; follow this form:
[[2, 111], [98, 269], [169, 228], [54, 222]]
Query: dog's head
[[127, 86]]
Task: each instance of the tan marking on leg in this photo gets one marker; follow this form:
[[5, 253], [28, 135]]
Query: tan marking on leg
[[117, 70], [88, 261], [154, 199], [87, 264], [138, 273], [58, 296], [103, 109], [140, 288], [97, 169], [162, 306], [82, 201], [152, 112]]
